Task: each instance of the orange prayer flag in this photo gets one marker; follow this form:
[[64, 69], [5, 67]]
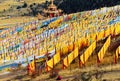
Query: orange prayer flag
[[32, 66]]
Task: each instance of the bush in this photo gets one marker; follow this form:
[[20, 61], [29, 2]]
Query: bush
[[53, 73], [18, 7], [24, 5], [34, 3], [31, 6]]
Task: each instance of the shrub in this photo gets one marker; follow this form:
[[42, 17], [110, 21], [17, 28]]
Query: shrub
[[24, 5], [18, 7]]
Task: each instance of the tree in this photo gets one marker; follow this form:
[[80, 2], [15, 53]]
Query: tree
[[24, 5], [18, 7]]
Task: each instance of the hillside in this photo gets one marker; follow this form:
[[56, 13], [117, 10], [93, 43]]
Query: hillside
[[82, 46], [73, 6], [15, 8], [7, 4]]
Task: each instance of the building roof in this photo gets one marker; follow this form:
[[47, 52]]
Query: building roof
[[52, 6]]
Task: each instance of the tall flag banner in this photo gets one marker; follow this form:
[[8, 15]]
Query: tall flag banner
[[64, 49], [70, 58], [75, 44], [79, 43], [117, 52], [100, 35], [53, 61], [104, 49], [56, 58], [117, 29], [76, 52], [107, 32], [32, 67], [84, 57], [70, 47], [65, 62], [93, 36], [49, 64], [112, 30]]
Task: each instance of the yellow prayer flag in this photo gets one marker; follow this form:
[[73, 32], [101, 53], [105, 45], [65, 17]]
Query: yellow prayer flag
[[70, 58], [82, 58], [76, 52], [100, 35], [50, 63], [7, 58], [64, 50], [70, 47], [117, 29], [56, 58], [107, 32], [112, 30], [75, 44], [104, 48], [119, 49], [117, 52], [65, 62]]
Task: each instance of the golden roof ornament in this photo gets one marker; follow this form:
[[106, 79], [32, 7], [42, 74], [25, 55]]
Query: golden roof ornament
[[52, 10]]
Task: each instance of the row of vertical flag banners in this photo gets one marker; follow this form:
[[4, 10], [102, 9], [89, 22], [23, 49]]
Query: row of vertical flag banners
[[76, 46], [14, 46], [30, 39]]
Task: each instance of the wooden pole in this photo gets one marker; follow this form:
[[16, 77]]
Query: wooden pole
[[115, 59]]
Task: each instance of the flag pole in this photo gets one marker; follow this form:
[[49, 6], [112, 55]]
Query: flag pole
[[35, 64]]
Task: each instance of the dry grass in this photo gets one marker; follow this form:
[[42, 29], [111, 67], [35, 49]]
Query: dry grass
[[35, 1], [8, 3], [15, 20]]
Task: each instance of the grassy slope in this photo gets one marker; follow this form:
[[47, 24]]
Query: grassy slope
[[7, 5], [15, 20]]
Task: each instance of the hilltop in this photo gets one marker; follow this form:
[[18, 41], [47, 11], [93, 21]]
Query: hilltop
[[32, 8]]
